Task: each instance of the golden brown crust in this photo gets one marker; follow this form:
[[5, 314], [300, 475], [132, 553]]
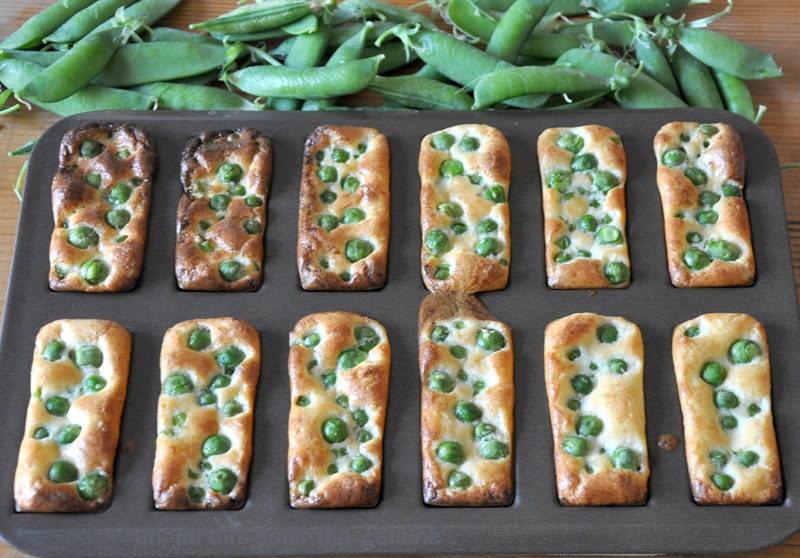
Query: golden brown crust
[[81, 201], [719, 154], [483, 377], [182, 475], [475, 260], [573, 354], [576, 255], [210, 234], [322, 255], [325, 473], [96, 411], [708, 339]]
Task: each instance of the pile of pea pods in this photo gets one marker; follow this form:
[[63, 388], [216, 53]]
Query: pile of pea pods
[[315, 54]]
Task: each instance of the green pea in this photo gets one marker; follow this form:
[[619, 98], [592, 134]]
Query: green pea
[[216, 445], [709, 129], [237, 190], [724, 399], [618, 366], [589, 426], [604, 181], [747, 458], [229, 172], [571, 142], [232, 408], [458, 351], [587, 223], [490, 339], [340, 156], [451, 209], [483, 431], [475, 179], [351, 183], [582, 384], [345, 276], [437, 241], [363, 436], [353, 215], [467, 411], [439, 333], [608, 234], [87, 355], [574, 354], [54, 350], [708, 198], [584, 162], [493, 449], [743, 351], [334, 430], [559, 180], [731, 190], [178, 384], [302, 401], [252, 226], [343, 401], [575, 446], [723, 250], [179, 419], [231, 271], [573, 404], [729, 422], [206, 397], [94, 271], [713, 373], [451, 452], [68, 434], [674, 157], [753, 409], [694, 237], [199, 339], [487, 226], [219, 381], [723, 481], [495, 194], [607, 333], [62, 471], [219, 202], [360, 464], [329, 379], [440, 380], [458, 228], [40, 433], [707, 217], [94, 180], [696, 259], [442, 272], [361, 417], [93, 384], [625, 458], [196, 494], [488, 246], [450, 167], [367, 338], [564, 242], [357, 249], [351, 358], [691, 331], [459, 480], [253, 201], [229, 358], [332, 469], [312, 339], [698, 177], [83, 237], [222, 481], [443, 141], [306, 486], [57, 405], [617, 273], [91, 148], [328, 222], [719, 458], [328, 174]]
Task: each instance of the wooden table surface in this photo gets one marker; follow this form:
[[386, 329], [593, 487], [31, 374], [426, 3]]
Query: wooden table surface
[[767, 25]]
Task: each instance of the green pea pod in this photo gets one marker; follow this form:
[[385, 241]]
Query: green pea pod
[[40, 57], [697, 84], [655, 63], [728, 54], [76, 68], [82, 23], [31, 33], [307, 51], [14, 74], [563, 7], [177, 96], [508, 83], [735, 94], [643, 8], [392, 12], [306, 83], [395, 55], [145, 12], [616, 33], [514, 28], [421, 93], [639, 91], [260, 16], [159, 34]]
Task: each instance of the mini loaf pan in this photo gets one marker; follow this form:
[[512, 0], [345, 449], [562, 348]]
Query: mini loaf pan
[[670, 522]]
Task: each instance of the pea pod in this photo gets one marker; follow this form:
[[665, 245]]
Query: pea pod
[[697, 84], [563, 7], [508, 83], [85, 21], [515, 27], [38, 57], [655, 63], [735, 94], [179, 96], [31, 33], [727, 54], [643, 8], [616, 33], [158, 34], [75, 69], [306, 52], [421, 93], [306, 24], [392, 12], [306, 83], [252, 18], [144, 12]]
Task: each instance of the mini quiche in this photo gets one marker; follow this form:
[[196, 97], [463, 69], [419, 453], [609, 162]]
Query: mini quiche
[[79, 379], [339, 366], [101, 204], [701, 171], [722, 368], [209, 373], [465, 174], [466, 360], [583, 173], [222, 214], [594, 367], [343, 225]]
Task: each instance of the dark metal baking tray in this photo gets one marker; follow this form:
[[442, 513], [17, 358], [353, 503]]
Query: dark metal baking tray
[[401, 524]]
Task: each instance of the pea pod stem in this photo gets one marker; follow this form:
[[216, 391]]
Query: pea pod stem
[[4, 97], [21, 180], [23, 149], [31, 33]]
